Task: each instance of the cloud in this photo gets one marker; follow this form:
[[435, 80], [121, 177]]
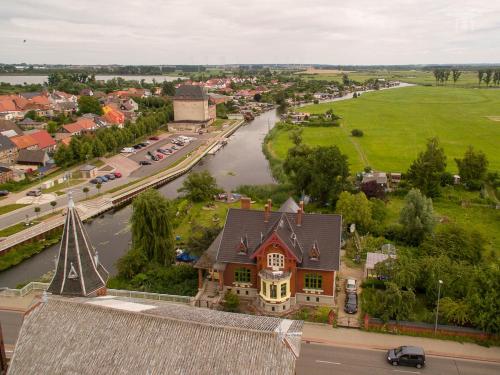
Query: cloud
[[258, 31]]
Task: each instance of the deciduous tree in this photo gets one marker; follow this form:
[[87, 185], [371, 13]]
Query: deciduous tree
[[417, 217], [473, 166], [200, 187]]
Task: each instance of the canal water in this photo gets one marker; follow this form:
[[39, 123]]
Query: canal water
[[240, 162]]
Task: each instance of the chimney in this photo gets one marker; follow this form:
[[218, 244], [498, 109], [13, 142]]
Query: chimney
[[270, 204], [301, 205], [245, 203], [298, 222], [266, 213]]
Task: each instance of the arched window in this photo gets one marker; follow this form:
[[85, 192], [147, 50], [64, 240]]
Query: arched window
[[275, 260]]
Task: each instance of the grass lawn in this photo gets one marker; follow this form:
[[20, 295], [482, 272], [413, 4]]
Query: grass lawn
[[467, 79], [64, 185], [11, 207], [449, 207], [396, 124]]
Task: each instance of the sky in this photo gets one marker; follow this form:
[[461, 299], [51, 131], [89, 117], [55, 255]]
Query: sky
[[357, 32]]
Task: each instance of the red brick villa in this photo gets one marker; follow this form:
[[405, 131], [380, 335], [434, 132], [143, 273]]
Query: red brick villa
[[278, 258]]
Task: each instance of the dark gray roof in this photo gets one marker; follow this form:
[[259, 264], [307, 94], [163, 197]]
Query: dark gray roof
[[5, 143], [32, 156], [5, 169], [320, 230], [289, 206], [190, 92], [10, 125], [207, 259], [110, 336], [88, 167], [29, 95], [77, 272]]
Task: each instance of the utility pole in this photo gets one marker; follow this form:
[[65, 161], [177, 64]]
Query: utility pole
[[437, 308]]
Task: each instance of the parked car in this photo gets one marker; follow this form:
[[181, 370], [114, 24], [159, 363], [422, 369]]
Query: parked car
[[159, 156], [99, 180], [155, 158], [351, 285], [110, 176], [145, 162], [407, 356], [34, 193], [3, 193], [117, 174], [175, 147], [155, 138], [150, 153], [93, 181], [144, 144], [351, 303], [200, 132], [128, 150], [137, 147], [104, 179]]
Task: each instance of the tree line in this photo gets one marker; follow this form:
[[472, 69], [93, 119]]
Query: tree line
[[443, 75]]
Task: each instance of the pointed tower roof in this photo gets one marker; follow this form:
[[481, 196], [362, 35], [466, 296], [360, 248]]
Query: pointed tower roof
[[78, 271]]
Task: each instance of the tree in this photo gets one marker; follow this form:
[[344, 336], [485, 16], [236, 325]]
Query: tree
[[455, 312], [168, 88], [98, 187], [357, 133], [257, 97], [52, 127], [53, 204], [201, 238], [320, 172], [446, 75], [435, 72], [496, 77], [473, 166], [345, 80], [231, 302], [89, 104], [487, 76], [480, 75], [456, 75], [37, 210], [152, 228], [425, 172], [296, 136], [417, 217], [31, 115], [355, 208], [86, 191], [63, 156], [456, 242], [200, 187], [373, 189]]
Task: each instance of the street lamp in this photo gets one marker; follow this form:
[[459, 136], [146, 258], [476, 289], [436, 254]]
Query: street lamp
[[437, 308]]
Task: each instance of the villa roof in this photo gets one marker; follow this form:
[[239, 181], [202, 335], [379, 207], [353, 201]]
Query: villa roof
[[289, 206], [190, 92], [24, 141], [112, 335], [320, 230], [43, 139]]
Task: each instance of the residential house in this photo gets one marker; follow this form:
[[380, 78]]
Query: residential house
[[63, 102], [33, 157], [12, 107], [379, 177], [8, 151], [82, 125], [6, 174], [191, 108], [43, 139], [9, 129], [87, 92], [372, 259], [113, 116], [129, 104], [25, 142], [278, 259], [28, 124]]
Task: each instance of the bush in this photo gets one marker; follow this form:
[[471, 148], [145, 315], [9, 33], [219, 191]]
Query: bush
[[231, 302], [278, 193], [357, 133]]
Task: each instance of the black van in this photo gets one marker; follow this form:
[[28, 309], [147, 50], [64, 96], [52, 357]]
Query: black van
[[407, 356]]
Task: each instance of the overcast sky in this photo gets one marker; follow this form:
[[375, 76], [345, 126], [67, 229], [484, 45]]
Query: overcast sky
[[251, 31]]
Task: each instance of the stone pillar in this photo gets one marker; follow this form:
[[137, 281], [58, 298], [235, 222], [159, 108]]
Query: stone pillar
[[221, 282], [200, 278]]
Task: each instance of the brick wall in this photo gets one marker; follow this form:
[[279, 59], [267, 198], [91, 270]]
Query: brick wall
[[328, 278]]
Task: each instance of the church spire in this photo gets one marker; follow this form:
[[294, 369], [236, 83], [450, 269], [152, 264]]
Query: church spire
[[78, 271]]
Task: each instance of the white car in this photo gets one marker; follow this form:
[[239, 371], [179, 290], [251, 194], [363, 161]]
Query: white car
[[351, 285]]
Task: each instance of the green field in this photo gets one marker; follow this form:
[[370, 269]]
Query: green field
[[397, 122], [467, 79]]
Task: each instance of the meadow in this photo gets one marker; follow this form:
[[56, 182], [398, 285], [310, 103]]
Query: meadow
[[397, 122], [422, 77]]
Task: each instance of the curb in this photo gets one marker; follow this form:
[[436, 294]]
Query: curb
[[381, 348]]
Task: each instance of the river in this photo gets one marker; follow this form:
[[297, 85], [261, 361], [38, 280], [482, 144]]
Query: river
[[240, 162], [40, 79]]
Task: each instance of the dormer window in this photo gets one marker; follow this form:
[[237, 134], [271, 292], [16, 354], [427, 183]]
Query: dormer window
[[243, 245], [275, 260], [314, 252]]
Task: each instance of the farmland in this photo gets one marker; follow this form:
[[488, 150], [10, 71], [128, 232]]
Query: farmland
[[396, 124]]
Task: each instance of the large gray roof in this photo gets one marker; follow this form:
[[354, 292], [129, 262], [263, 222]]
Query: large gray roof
[[112, 336], [190, 92], [6, 144], [317, 229], [77, 272], [289, 206]]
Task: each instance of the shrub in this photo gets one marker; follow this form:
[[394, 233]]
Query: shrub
[[357, 133], [231, 302]]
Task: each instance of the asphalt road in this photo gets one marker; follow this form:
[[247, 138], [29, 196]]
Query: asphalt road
[[327, 360]]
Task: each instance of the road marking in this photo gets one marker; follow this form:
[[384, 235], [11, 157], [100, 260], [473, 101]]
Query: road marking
[[408, 372], [330, 363]]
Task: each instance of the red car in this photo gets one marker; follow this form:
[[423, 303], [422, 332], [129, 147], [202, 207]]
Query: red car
[[159, 156], [117, 174], [154, 138]]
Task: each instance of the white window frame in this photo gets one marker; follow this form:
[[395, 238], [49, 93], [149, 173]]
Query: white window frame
[[276, 260]]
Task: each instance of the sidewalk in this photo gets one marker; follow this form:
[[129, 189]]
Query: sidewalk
[[324, 334]]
